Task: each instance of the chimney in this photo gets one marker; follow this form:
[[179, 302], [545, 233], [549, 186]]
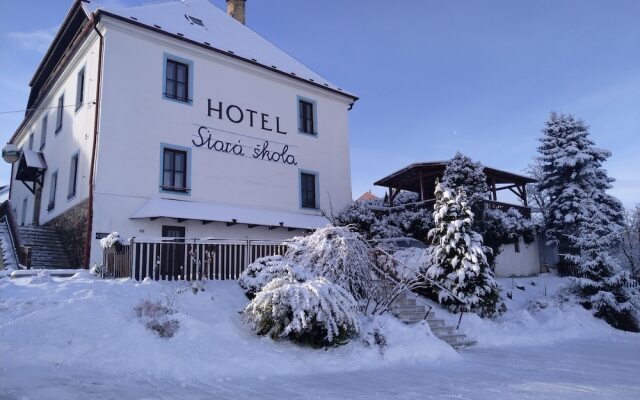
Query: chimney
[[235, 8]]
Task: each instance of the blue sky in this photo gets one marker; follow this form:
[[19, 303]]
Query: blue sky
[[434, 77]]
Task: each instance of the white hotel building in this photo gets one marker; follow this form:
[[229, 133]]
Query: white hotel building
[[175, 119]]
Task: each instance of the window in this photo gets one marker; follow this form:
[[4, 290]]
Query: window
[[23, 214], [177, 80], [195, 20], [52, 191], [31, 141], [59, 113], [307, 117], [73, 176], [174, 170], [516, 245], [80, 90], [308, 186], [43, 133]]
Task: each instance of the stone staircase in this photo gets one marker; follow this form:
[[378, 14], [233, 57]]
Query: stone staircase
[[47, 250], [406, 309]]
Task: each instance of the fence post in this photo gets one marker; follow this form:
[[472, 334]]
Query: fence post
[[132, 257]]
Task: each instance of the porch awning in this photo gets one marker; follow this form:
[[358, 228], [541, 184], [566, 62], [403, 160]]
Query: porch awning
[[30, 166], [31, 169], [158, 207]]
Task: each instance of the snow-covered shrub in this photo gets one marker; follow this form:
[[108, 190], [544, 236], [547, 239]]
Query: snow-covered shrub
[[409, 221], [357, 215], [499, 228], [373, 335], [155, 317], [112, 240], [43, 276], [457, 261], [264, 270], [601, 288], [315, 313], [337, 254]]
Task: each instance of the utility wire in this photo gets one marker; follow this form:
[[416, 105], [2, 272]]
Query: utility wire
[[34, 109]]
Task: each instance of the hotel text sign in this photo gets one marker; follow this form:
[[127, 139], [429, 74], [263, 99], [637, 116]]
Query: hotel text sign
[[243, 145]]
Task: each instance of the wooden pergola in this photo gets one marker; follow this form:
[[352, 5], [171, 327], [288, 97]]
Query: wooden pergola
[[421, 178]]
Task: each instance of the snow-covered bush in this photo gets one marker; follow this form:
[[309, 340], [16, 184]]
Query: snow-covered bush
[[315, 313], [457, 261], [112, 240], [357, 215], [155, 317], [408, 221], [337, 254], [43, 276], [99, 271], [499, 228], [264, 270]]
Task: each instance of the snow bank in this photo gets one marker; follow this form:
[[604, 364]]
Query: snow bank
[[84, 323], [533, 318]]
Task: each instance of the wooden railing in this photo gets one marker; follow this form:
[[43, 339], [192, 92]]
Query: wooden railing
[[117, 262], [187, 259], [497, 205], [429, 204], [22, 253]]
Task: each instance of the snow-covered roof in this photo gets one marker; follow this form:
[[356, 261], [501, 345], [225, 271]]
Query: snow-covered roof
[[33, 159], [158, 207], [219, 31]]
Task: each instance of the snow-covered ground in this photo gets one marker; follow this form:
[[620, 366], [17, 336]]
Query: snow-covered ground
[[78, 338]]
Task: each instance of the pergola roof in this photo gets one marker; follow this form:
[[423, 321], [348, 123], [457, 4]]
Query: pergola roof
[[408, 178]]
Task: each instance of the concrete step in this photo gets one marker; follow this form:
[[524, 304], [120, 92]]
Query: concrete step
[[401, 309], [410, 314], [404, 303], [47, 249], [452, 337], [442, 330], [434, 323], [463, 344]]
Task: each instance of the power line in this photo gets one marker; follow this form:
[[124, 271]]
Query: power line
[[35, 109]]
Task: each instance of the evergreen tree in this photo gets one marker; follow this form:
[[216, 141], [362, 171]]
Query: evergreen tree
[[572, 174], [458, 262], [496, 227], [462, 172], [583, 217]]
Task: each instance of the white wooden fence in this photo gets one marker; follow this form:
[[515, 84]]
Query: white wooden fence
[[191, 259]]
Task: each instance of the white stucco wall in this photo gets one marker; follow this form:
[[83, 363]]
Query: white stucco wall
[[76, 135], [135, 119], [525, 263]]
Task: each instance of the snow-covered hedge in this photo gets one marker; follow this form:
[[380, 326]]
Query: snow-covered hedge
[[112, 240], [337, 254], [316, 312], [264, 270]]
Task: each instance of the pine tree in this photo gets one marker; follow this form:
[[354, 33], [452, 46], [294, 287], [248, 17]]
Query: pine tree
[[458, 262], [497, 227], [572, 174], [462, 172], [583, 217]]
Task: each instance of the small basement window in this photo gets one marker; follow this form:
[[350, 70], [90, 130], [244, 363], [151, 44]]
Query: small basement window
[[195, 20]]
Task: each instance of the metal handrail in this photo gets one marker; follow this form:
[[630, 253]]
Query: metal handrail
[[393, 280], [13, 244]]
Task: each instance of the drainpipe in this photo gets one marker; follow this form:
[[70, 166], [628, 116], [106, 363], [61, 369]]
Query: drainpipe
[[87, 245]]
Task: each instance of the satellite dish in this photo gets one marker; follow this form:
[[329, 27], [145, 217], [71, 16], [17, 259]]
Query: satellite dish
[[10, 153]]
